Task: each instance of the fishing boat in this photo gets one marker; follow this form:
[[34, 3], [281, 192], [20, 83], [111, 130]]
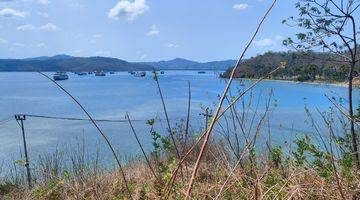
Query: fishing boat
[[112, 72], [100, 73], [82, 73], [60, 76], [201, 72], [140, 74], [162, 72]]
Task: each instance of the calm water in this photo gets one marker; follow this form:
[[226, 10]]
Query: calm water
[[112, 96]]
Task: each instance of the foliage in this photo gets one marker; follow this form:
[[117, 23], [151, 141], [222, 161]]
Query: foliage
[[161, 146], [307, 153], [301, 66]]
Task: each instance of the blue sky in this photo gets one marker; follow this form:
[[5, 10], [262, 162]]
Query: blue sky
[[140, 30]]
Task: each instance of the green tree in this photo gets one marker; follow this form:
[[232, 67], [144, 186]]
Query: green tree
[[332, 26]]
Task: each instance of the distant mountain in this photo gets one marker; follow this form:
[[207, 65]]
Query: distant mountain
[[70, 63], [57, 57], [183, 64]]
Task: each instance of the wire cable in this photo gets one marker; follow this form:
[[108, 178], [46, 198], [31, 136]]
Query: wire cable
[[83, 119]]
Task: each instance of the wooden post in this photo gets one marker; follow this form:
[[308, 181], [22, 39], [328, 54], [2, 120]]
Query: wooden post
[[22, 118], [207, 115]]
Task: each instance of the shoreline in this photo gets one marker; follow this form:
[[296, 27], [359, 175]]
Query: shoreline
[[317, 82]]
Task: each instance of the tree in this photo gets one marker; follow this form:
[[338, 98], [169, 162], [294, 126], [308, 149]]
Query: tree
[[331, 25]]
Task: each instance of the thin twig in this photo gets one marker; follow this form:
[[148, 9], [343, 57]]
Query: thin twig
[[166, 115], [207, 136], [187, 123], [173, 176], [99, 130], [141, 147]]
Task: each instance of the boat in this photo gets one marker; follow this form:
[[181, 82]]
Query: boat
[[162, 72], [82, 73], [201, 72], [100, 73], [140, 74], [60, 76], [131, 72], [90, 72], [112, 72]]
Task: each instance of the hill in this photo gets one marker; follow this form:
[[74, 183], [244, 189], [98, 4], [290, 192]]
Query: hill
[[310, 66], [183, 64], [69, 63]]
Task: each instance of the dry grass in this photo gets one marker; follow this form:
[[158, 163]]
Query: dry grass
[[286, 182]]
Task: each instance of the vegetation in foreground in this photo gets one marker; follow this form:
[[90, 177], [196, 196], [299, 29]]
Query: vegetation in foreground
[[303, 171]]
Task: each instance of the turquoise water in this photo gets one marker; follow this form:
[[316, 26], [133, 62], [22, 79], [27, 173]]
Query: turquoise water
[[112, 96]]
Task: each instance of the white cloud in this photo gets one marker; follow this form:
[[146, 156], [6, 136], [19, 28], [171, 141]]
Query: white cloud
[[265, 42], [43, 2], [241, 6], [78, 51], [97, 36], [142, 57], [11, 13], [103, 53], [171, 45], [3, 41], [18, 44], [279, 38], [153, 31], [128, 9], [43, 14], [40, 45], [26, 27], [48, 27]]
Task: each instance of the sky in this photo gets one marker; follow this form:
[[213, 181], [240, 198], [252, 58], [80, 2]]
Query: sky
[[141, 30]]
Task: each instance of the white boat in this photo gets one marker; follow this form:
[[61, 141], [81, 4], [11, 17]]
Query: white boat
[[140, 74], [101, 73], [60, 76], [82, 73]]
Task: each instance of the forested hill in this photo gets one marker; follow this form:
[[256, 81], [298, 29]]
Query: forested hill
[[69, 63], [309, 66]]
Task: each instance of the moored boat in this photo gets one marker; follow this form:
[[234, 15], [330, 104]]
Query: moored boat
[[60, 76], [100, 73], [140, 74], [82, 73]]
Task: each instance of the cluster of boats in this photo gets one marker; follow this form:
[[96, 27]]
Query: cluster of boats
[[59, 76]]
